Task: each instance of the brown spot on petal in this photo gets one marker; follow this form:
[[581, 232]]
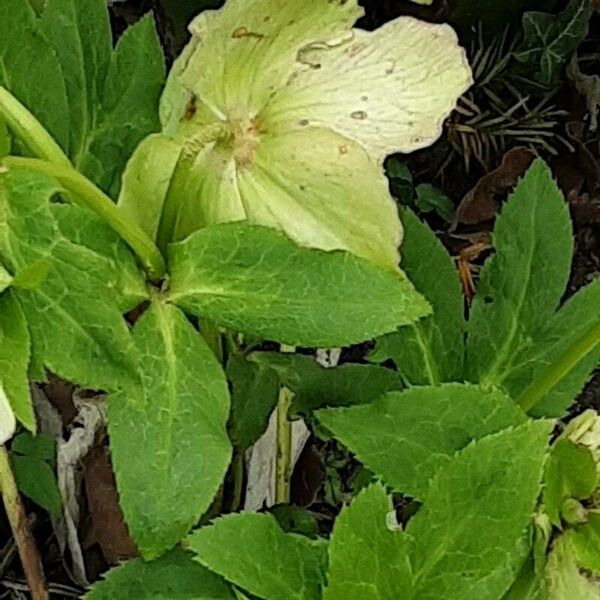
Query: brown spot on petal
[[242, 32], [343, 149], [359, 115], [355, 49]]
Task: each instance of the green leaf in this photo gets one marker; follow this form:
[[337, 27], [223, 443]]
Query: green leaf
[[570, 473], [430, 351], [77, 330], [14, 359], [550, 40], [430, 198], [41, 447], [174, 576], [557, 341], [257, 281], [30, 68], [36, 479], [522, 283], [5, 140], [254, 394], [585, 541], [384, 437], [469, 535], [368, 559], [296, 519], [84, 228], [316, 387], [76, 326], [254, 553], [32, 458], [79, 32], [33, 275], [563, 577], [170, 452], [6, 279], [113, 96]]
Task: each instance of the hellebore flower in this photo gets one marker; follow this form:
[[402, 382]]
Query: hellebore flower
[[279, 113]]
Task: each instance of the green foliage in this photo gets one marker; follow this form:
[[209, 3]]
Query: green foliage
[[368, 558], [563, 331], [31, 69], [384, 437], [316, 387], [424, 198], [522, 284], [517, 339], [174, 576], [253, 552], [469, 536], [585, 541], [570, 473], [254, 393], [74, 320], [33, 460], [257, 281], [550, 40], [475, 554], [430, 198], [170, 452], [310, 166], [84, 228], [430, 351], [97, 103]]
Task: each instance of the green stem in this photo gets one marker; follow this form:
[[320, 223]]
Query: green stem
[[175, 193], [85, 193], [212, 336], [237, 474], [29, 130], [537, 390], [30, 558], [283, 461], [283, 457]]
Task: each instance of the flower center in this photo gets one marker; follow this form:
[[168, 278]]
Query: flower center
[[246, 132]]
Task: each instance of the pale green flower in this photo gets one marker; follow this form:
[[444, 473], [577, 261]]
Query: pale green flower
[[285, 115], [8, 423]]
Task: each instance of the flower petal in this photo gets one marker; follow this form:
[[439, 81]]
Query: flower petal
[[8, 423], [146, 181], [243, 53], [390, 90], [321, 189]]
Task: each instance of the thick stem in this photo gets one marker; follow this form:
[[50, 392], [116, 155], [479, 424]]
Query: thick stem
[[536, 391], [30, 558], [29, 130], [86, 194], [283, 457]]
